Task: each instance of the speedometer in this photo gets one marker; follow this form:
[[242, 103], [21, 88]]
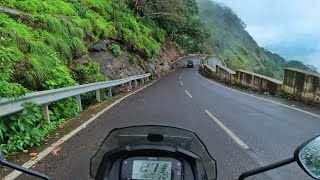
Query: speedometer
[[151, 168]]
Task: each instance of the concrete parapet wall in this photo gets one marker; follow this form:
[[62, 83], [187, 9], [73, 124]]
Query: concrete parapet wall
[[225, 75], [207, 71], [257, 82], [303, 85]]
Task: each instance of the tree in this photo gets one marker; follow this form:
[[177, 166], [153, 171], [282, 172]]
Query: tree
[[179, 18], [157, 9]]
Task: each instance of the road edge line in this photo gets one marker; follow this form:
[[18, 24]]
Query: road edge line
[[267, 100], [228, 131], [47, 151], [188, 94]]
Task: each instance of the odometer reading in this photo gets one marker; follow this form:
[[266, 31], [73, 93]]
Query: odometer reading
[[151, 170]]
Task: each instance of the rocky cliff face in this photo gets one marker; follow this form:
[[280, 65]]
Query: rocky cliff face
[[117, 67]]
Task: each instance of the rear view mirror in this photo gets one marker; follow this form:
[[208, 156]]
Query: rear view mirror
[[308, 157]]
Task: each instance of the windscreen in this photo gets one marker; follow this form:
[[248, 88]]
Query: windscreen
[[137, 135]]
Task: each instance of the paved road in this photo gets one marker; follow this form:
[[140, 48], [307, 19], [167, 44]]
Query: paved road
[[270, 131], [213, 61]]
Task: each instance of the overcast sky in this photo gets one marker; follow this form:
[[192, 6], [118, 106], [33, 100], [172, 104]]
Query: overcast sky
[[272, 22]]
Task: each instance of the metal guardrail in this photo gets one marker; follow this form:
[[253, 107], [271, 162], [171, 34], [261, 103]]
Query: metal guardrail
[[44, 98], [176, 61]]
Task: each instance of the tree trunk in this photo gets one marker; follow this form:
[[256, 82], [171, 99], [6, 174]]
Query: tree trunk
[[135, 10]]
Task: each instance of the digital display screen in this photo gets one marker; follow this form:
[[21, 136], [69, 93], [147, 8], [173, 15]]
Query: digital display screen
[[151, 170]]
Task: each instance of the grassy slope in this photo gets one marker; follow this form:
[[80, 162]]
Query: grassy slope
[[236, 46]]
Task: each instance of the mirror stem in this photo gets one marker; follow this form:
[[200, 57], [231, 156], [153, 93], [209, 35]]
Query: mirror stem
[[25, 170], [266, 168]]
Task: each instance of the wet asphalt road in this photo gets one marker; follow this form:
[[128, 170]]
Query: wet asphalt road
[[271, 131], [213, 61]]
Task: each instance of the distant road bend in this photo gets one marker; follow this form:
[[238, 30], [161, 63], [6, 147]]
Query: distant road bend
[[240, 131]]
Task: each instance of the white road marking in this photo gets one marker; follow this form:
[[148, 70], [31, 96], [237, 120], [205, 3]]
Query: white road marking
[[180, 76], [274, 102], [47, 151], [188, 94], [181, 83], [228, 131]]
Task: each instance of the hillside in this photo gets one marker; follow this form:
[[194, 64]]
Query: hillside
[[240, 51], [58, 43]]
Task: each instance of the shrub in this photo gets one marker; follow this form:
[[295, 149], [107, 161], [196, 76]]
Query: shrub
[[283, 94], [115, 49], [11, 90], [89, 73], [60, 77], [23, 129]]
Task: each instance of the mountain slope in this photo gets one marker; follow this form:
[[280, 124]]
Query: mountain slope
[[239, 50]]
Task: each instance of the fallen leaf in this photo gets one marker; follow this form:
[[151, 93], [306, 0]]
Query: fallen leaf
[[33, 154]]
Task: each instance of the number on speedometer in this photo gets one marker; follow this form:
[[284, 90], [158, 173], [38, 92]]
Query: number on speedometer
[[157, 170]]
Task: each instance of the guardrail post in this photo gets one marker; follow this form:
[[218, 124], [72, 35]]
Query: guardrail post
[[110, 92], [78, 98], [98, 96], [129, 85], [45, 112], [142, 80], [135, 83]]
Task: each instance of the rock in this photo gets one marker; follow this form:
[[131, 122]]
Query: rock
[[13, 12], [99, 46], [123, 66], [152, 68]]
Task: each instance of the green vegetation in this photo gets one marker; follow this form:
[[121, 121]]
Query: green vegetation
[[24, 129], [283, 94], [37, 51], [115, 49], [179, 19], [240, 51]]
